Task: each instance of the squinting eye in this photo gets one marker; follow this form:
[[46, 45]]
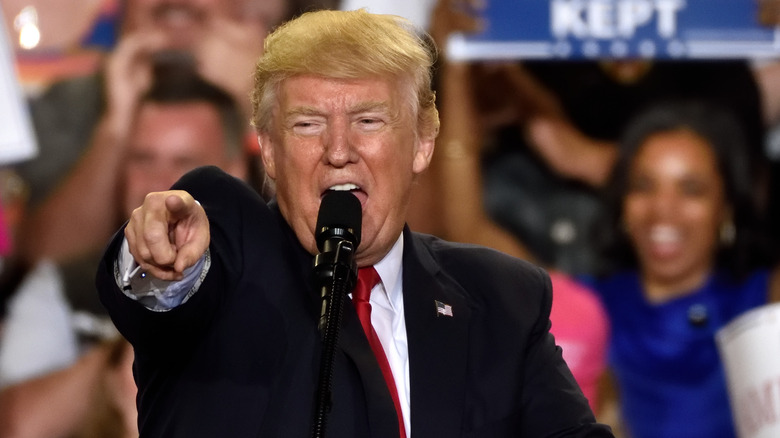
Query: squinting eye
[[306, 128], [370, 123]]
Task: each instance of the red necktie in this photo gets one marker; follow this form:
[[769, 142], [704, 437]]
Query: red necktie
[[367, 279]]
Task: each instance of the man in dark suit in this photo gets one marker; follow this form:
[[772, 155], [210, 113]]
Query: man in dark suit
[[211, 284]]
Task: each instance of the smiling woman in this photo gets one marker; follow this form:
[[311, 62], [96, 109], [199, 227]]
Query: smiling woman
[[682, 233], [672, 210]]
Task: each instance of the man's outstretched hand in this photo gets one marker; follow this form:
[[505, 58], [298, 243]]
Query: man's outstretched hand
[[168, 233]]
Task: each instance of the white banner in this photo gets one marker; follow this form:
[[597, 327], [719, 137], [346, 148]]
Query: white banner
[[595, 29], [17, 141], [750, 349]]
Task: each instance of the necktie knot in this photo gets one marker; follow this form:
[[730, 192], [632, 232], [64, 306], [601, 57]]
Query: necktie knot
[[367, 279]]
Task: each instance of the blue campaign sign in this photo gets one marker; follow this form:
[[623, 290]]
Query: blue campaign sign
[[576, 29]]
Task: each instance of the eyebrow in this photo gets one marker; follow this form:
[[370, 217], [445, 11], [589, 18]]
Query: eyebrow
[[371, 106], [302, 110]]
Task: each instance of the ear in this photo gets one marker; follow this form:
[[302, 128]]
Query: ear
[[423, 155], [267, 154]]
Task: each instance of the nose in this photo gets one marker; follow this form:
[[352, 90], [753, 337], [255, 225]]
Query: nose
[[664, 203], [338, 144]]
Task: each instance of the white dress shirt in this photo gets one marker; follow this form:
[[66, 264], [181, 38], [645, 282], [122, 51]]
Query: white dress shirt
[[387, 317]]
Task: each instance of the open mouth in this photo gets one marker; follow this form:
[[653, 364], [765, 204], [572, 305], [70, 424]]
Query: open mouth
[[348, 187], [665, 241], [665, 235]]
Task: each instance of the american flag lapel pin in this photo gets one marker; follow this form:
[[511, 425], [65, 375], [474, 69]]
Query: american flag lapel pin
[[443, 309]]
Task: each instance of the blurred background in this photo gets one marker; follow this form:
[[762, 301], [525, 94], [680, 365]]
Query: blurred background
[[630, 147]]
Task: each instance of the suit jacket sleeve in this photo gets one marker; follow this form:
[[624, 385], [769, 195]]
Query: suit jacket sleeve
[[169, 332]]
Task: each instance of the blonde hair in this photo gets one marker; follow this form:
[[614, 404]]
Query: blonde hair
[[348, 45]]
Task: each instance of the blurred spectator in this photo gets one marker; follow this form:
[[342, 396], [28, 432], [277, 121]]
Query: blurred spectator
[[35, 333], [544, 163], [94, 398], [579, 323], [683, 237], [181, 123], [222, 38], [113, 413]]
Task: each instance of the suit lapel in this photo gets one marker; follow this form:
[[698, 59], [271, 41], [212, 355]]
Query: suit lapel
[[437, 343]]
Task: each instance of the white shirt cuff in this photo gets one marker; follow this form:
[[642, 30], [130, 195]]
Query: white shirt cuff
[[155, 294]]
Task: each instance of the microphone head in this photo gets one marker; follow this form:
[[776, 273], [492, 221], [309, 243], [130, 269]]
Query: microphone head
[[340, 216]]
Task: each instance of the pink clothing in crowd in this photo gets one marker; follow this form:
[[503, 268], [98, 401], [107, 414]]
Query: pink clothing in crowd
[[581, 329]]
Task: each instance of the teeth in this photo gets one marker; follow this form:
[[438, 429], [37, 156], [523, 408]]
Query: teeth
[[344, 187], [664, 234]]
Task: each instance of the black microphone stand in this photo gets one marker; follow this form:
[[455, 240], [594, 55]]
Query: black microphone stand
[[335, 271]]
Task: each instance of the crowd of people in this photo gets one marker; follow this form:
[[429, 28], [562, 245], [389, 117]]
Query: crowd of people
[[642, 190]]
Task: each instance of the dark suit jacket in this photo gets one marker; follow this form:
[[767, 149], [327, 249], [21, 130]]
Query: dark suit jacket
[[241, 357]]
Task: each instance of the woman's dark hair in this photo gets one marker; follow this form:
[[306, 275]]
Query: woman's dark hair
[[742, 180]]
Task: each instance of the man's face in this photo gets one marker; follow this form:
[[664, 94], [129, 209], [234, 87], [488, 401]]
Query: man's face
[[168, 140], [357, 135]]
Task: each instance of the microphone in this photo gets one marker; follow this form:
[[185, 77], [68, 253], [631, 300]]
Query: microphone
[[335, 274], [338, 236]]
